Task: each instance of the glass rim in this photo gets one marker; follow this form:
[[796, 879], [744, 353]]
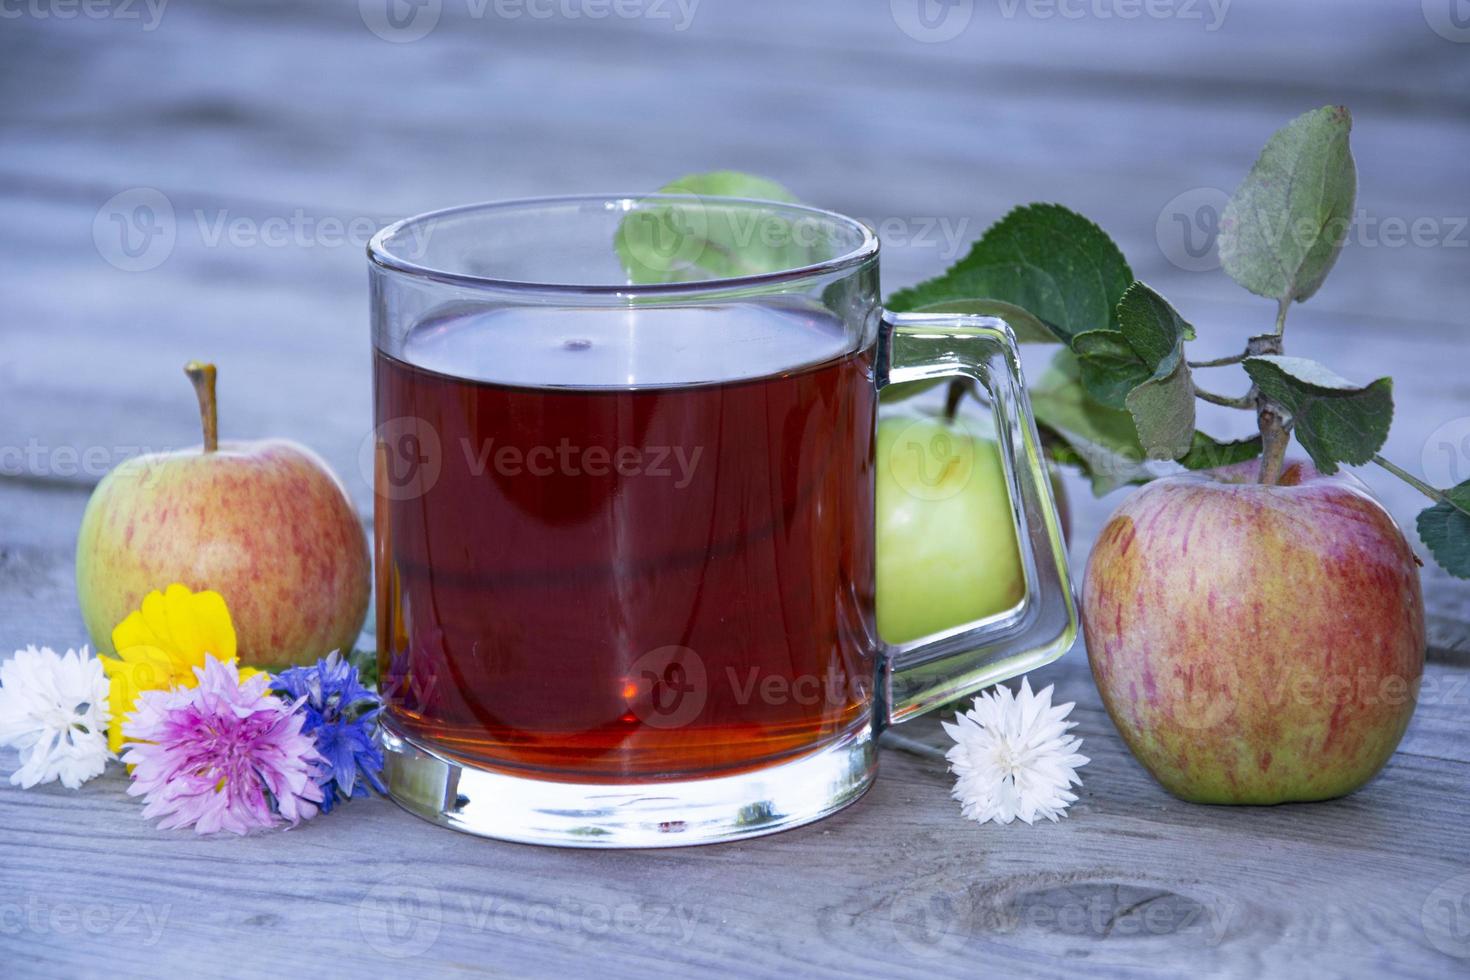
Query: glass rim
[[383, 256]]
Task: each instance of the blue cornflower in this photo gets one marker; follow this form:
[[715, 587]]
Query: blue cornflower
[[341, 716]]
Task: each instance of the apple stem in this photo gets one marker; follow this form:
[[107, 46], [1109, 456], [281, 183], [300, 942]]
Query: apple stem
[[954, 396], [203, 376], [1438, 496], [1246, 401], [1271, 418], [1219, 361]]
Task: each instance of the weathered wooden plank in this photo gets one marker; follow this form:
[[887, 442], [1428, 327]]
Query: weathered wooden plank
[[904, 883]]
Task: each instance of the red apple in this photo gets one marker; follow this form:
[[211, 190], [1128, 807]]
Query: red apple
[[265, 524], [1256, 643]]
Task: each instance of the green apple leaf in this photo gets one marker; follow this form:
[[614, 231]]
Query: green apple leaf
[[1284, 227], [1153, 328], [1334, 420], [1100, 440], [729, 183], [1040, 257], [1163, 409], [1208, 453], [684, 241], [1445, 530], [1140, 367], [1116, 361], [1109, 367], [1163, 405]]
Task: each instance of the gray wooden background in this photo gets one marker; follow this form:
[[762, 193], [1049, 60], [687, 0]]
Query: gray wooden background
[[270, 138]]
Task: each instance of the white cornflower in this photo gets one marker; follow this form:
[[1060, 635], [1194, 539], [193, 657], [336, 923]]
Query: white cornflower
[[1013, 756], [53, 708]]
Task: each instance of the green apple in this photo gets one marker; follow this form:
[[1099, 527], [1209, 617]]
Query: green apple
[[946, 540], [265, 524]]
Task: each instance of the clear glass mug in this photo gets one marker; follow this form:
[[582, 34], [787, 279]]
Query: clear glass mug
[[624, 526]]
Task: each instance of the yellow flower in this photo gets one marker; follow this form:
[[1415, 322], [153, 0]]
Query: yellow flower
[[159, 646]]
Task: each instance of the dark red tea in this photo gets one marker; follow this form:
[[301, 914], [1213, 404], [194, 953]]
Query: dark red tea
[[618, 545]]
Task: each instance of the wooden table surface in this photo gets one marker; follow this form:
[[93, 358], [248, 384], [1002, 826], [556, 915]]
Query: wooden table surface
[[278, 132]]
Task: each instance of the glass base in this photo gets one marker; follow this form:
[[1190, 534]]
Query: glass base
[[653, 814]]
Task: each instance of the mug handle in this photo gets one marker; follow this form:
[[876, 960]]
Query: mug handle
[[925, 673]]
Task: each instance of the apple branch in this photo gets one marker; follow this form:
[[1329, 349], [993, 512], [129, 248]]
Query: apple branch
[[1218, 362], [1433, 494], [1245, 401], [203, 376], [1273, 420]]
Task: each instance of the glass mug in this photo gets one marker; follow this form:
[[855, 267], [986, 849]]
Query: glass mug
[[624, 517]]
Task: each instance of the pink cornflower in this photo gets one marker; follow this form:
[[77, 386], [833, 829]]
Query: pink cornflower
[[225, 755]]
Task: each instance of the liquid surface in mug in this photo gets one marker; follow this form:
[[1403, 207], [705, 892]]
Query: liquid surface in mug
[[666, 571]]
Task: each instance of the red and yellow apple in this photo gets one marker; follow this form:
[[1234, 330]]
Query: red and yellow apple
[[1256, 643], [265, 524]]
